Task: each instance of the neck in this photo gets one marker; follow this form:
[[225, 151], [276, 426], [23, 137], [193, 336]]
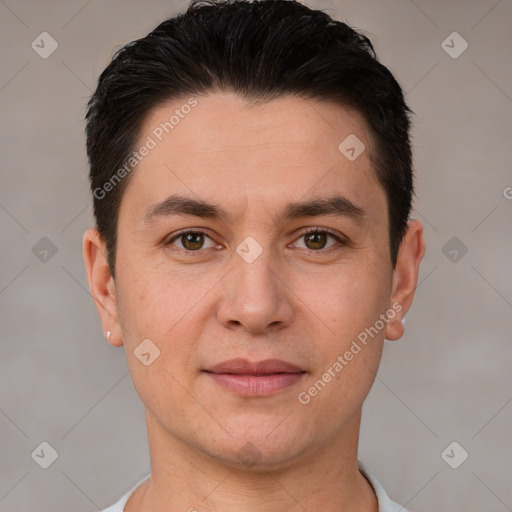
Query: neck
[[185, 479]]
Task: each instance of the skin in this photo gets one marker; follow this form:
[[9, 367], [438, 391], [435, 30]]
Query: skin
[[302, 300]]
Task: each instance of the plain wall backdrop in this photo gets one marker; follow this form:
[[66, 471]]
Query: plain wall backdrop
[[447, 380]]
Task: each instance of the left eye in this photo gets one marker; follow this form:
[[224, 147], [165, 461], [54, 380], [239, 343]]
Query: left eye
[[317, 239]]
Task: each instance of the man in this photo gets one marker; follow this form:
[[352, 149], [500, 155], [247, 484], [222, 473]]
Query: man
[[252, 182]]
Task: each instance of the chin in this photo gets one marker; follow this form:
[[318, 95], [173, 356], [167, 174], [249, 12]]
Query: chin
[[261, 445]]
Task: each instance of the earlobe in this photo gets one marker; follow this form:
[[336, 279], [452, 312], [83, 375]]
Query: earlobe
[[394, 330], [101, 284], [405, 277]]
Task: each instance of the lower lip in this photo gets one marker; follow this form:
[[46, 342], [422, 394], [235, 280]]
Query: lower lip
[[252, 385]]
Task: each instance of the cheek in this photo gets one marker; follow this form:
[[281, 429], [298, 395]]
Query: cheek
[[349, 300], [170, 309], [347, 311], [154, 302], [138, 309], [155, 308]]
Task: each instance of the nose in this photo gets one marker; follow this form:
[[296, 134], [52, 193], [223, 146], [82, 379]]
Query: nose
[[255, 297]]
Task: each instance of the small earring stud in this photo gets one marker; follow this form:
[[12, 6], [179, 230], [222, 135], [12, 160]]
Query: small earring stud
[[108, 334]]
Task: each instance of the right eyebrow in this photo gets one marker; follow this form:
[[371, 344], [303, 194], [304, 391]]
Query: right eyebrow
[[181, 205]]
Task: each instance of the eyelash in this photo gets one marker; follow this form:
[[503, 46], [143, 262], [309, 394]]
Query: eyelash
[[303, 234]]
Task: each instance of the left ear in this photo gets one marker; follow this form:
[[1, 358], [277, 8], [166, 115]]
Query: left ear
[[405, 276]]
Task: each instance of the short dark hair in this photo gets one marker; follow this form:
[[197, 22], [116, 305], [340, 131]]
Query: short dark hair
[[261, 50]]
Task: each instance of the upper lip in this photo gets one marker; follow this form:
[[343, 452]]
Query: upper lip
[[244, 367]]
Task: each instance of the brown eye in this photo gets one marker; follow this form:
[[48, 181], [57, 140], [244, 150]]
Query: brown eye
[[316, 240], [191, 241]]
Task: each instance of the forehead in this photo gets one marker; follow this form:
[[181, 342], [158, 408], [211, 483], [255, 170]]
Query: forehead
[[221, 147], [224, 121]]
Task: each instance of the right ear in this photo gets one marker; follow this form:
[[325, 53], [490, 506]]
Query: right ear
[[102, 284]]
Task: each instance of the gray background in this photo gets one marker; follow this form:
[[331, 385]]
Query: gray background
[[447, 380]]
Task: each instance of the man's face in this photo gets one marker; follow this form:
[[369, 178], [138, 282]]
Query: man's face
[[211, 296]]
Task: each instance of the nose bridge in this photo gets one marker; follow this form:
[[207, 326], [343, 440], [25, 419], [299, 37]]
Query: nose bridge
[[256, 283], [256, 298]]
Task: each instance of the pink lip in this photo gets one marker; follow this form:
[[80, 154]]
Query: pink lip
[[259, 378], [243, 366]]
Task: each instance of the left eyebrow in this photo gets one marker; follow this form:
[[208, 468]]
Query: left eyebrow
[[182, 205], [336, 205]]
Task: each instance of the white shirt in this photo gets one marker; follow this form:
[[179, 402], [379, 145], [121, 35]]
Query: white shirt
[[385, 504]]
